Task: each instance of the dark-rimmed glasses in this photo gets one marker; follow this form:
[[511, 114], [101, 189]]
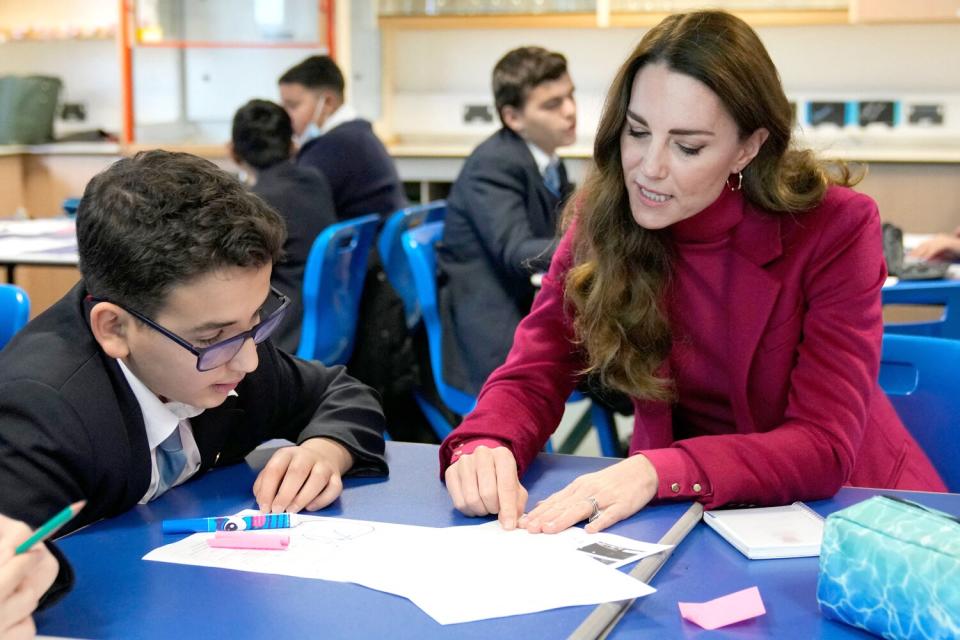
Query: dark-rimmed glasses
[[220, 353]]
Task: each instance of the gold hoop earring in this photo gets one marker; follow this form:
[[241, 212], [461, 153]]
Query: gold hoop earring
[[739, 182]]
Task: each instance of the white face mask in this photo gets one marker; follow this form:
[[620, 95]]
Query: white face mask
[[312, 130]]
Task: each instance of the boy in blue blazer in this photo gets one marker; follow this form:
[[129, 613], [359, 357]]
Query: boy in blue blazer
[[502, 215], [157, 366]]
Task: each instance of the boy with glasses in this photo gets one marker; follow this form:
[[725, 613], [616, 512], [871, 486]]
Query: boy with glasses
[[157, 365]]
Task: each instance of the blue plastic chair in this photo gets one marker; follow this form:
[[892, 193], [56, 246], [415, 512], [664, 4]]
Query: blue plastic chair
[[603, 421], [70, 206], [944, 293], [393, 259], [332, 284], [419, 246], [14, 311], [921, 376]]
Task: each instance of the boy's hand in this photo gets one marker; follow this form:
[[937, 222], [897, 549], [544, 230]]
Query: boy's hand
[[302, 477], [23, 579]]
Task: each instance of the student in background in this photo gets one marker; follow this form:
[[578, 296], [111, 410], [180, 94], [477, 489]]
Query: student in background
[[364, 180], [942, 247], [338, 143], [726, 281], [157, 366], [502, 214], [262, 147], [29, 581]]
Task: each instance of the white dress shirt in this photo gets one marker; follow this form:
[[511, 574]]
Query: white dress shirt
[[160, 419], [541, 158], [344, 113]]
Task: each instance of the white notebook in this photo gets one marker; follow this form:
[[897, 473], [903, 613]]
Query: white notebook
[[793, 531]]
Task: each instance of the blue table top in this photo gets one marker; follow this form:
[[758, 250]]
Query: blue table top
[[119, 595]]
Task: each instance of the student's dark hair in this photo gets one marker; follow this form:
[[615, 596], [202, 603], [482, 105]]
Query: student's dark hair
[[316, 72], [262, 134], [519, 71], [159, 219], [620, 271]]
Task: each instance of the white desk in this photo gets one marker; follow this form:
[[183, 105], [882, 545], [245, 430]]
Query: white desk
[[45, 242]]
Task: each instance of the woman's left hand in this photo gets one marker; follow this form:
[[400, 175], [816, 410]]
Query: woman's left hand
[[619, 491]]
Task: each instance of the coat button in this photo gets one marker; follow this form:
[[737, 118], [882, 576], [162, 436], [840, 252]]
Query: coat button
[[697, 488], [675, 487]]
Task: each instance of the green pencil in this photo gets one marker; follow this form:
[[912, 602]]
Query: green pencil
[[51, 526]]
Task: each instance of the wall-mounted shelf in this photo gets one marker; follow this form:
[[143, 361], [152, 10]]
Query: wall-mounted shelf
[[767, 18], [227, 44], [12, 36], [492, 21], [757, 18]]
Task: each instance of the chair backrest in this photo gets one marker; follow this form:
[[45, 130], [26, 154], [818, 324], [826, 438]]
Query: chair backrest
[[944, 293], [921, 376], [14, 311], [332, 284], [70, 206], [392, 257], [419, 247]]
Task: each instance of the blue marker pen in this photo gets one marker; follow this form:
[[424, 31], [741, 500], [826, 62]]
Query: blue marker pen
[[231, 523]]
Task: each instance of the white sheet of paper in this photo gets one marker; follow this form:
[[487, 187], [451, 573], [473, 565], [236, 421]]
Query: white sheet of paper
[[455, 574], [490, 573]]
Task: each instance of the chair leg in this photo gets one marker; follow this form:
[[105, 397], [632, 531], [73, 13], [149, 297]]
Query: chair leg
[[577, 434], [606, 431]]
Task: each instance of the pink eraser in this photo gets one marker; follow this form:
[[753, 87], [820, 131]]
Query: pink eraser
[[249, 540]]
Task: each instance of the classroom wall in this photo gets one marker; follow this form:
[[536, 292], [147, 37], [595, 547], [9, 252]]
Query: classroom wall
[[437, 72]]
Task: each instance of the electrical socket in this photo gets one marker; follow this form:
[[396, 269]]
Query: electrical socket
[[481, 113]]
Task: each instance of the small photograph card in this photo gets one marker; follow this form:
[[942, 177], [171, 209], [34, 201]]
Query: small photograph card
[[793, 531]]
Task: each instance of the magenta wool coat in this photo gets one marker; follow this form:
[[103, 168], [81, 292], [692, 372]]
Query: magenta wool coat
[[806, 328]]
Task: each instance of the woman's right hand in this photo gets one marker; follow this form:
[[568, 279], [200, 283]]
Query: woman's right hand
[[486, 481], [24, 579]]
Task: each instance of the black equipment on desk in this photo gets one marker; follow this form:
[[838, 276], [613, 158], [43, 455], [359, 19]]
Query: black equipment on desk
[[893, 255]]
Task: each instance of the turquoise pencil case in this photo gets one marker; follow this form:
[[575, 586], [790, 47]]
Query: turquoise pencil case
[[892, 567]]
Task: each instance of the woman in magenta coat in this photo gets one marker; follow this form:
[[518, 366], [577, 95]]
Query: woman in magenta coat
[[728, 283]]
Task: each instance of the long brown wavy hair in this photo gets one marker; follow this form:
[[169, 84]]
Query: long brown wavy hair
[[616, 286]]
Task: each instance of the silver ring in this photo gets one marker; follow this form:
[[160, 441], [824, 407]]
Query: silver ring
[[595, 513]]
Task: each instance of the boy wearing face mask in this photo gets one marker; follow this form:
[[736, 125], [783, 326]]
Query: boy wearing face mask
[[363, 180], [338, 143]]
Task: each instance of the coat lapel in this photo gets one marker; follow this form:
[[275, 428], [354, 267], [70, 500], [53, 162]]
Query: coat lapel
[[565, 186], [130, 416], [652, 420], [753, 293], [212, 430], [543, 215]]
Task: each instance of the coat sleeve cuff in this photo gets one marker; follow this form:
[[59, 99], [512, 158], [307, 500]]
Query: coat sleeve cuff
[[680, 478], [467, 447], [62, 584]]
